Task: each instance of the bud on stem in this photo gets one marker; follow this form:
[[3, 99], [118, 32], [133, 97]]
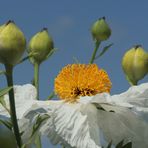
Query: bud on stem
[[40, 46], [135, 64], [12, 43], [100, 30], [9, 76]]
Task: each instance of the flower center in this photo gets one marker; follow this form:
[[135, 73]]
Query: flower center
[[81, 80], [83, 92]]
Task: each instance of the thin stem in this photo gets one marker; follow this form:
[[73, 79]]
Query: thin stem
[[52, 94], [38, 141], [9, 76], [97, 44], [36, 78], [36, 84]]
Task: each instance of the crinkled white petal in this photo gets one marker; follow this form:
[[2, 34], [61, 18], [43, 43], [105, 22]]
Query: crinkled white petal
[[135, 98], [24, 98], [77, 125], [73, 125], [127, 115], [122, 123], [93, 121]]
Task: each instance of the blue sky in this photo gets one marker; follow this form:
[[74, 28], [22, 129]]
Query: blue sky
[[69, 24]]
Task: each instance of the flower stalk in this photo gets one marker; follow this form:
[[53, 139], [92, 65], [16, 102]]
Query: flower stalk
[[97, 44], [9, 77], [36, 78]]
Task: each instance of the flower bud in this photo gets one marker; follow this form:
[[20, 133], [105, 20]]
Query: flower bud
[[41, 44], [100, 30], [12, 43], [1, 28], [135, 64]]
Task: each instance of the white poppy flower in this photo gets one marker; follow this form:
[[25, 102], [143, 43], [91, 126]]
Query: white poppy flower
[[92, 121], [95, 121]]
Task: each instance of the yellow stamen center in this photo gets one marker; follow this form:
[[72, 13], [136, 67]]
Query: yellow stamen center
[[81, 80]]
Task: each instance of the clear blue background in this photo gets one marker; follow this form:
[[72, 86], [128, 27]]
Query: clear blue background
[[69, 24]]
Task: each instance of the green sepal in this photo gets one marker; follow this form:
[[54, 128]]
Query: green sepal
[[131, 82], [27, 57], [51, 53]]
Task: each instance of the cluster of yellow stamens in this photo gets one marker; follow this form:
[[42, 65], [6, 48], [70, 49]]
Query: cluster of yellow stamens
[[81, 80]]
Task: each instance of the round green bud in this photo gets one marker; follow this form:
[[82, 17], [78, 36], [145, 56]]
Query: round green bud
[[12, 43], [7, 138], [135, 64], [100, 30], [40, 45]]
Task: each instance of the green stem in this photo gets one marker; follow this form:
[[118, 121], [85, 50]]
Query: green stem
[[97, 44], [36, 78], [36, 84], [52, 94], [9, 76], [38, 142]]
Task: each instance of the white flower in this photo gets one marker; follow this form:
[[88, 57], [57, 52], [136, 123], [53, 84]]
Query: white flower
[[92, 122], [24, 98]]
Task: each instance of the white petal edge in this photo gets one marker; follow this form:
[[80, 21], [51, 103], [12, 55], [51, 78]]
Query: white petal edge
[[57, 128], [24, 98]]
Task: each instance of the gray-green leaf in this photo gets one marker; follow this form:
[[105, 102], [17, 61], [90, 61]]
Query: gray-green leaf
[[104, 50], [39, 121], [5, 91], [7, 123]]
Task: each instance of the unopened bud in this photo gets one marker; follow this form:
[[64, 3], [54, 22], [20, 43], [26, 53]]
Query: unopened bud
[[40, 44], [1, 27], [100, 30], [135, 64], [12, 43]]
